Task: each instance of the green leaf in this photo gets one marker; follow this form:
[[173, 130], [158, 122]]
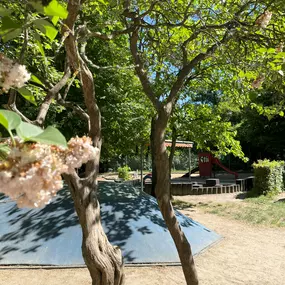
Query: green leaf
[[37, 5], [281, 114], [11, 35], [27, 131], [262, 50], [5, 12], [271, 50], [9, 120], [241, 74], [56, 9], [252, 96], [280, 55], [46, 28], [8, 24], [51, 136], [55, 20], [41, 49], [36, 80], [27, 94]]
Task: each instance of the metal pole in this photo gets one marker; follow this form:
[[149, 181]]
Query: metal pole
[[141, 167], [189, 163]]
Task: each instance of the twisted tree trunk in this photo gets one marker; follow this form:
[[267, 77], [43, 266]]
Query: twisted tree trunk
[[162, 191], [104, 261]]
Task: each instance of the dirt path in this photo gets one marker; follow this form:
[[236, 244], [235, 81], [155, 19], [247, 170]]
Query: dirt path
[[247, 255]]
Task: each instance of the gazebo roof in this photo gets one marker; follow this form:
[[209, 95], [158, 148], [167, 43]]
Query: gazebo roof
[[186, 144]]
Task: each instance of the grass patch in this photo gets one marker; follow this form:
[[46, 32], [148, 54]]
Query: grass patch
[[180, 205], [259, 211]]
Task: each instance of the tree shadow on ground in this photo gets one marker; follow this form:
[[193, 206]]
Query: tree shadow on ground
[[241, 196], [126, 214], [123, 206], [27, 230]]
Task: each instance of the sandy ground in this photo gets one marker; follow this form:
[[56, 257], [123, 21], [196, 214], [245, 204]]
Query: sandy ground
[[247, 255]]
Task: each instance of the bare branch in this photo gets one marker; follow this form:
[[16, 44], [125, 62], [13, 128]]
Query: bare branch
[[13, 93], [152, 5], [69, 85], [13, 107], [51, 95], [109, 37], [77, 109], [24, 47], [194, 62], [197, 74], [140, 70], [89, 62]]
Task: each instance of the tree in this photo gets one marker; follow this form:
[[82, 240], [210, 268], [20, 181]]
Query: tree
[[261, 124], [174, 43], [203, 119], [104, 261]]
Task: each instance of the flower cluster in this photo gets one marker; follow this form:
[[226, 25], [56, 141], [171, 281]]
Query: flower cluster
[[80, 150], [31, 174], [264, 19], [12, 74], [258, 81]]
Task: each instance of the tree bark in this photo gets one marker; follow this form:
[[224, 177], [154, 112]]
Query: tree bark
[[152, 149], [171, 156], [172, 149], [104, 261], [162, 191]]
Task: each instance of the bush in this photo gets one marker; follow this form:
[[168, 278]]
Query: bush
[[123, 172], [268, 177]]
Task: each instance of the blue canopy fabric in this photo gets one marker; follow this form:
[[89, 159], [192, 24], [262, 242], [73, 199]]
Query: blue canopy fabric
[[131, 220]]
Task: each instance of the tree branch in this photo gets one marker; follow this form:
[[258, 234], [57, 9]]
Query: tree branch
[[87, 83], [140, 70], [52, 92], [11, 105], [196, 60], [106, 37], [76, 108], [89, 62]]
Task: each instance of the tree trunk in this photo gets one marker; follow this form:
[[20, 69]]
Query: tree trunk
[[172, 149], [152, 149], [162, 191], [104, 261]]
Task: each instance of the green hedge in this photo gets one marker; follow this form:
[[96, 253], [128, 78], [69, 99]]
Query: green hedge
[[123, 172], [268, 177]]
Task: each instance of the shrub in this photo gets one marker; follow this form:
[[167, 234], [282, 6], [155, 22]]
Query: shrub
[[123, 172], [268, 177]]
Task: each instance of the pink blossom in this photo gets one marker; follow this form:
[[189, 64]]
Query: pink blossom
[[31, 174]]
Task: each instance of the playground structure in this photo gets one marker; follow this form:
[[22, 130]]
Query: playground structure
[[207, 182], [206, 162]]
